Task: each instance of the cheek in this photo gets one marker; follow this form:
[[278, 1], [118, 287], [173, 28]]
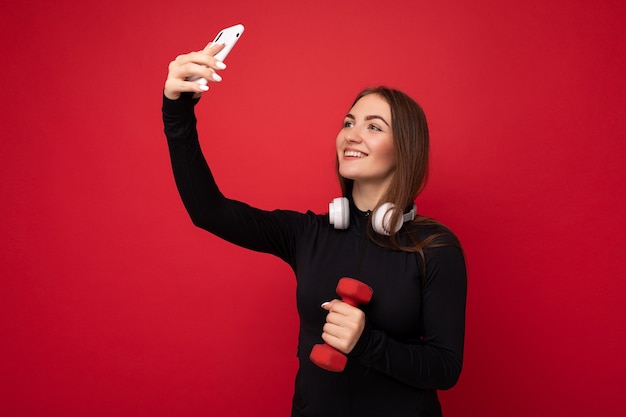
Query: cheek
[[338, 141], [386, 153], [338, 144]]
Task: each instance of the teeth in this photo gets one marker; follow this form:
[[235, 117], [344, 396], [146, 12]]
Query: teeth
[[355, 154]]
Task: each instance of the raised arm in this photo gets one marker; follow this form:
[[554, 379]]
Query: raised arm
[[265, 231]]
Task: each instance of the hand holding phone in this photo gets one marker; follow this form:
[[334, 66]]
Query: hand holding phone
[[229, 37]]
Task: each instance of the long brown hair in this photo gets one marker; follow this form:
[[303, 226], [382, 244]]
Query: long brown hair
[[411, 149]]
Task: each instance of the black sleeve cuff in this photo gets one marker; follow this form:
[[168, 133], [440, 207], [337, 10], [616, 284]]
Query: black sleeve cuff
[[361, 346], [179, 119], [184, 103]]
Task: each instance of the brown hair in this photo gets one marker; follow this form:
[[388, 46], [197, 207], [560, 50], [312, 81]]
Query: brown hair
[[411, 150]]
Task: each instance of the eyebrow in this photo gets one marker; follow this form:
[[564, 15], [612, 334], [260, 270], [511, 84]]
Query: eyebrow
[[374, 116]]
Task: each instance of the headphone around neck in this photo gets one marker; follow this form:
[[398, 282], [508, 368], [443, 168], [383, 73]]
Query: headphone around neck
[[339, 216]]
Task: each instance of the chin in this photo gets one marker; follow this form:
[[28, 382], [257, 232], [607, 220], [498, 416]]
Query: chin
[[348, 175]]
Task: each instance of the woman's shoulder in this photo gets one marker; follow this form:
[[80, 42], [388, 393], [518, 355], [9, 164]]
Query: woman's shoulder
[[433, 232]]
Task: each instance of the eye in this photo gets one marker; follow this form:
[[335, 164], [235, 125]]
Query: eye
[[375, 128], [348, 123]]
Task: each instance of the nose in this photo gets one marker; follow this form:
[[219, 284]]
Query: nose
[[353, 136]]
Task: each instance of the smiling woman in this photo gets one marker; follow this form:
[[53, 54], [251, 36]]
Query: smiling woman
[[365, 150], [407, 342], [404, 122]]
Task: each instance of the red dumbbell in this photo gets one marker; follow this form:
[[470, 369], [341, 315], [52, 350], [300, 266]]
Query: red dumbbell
[[352, 292]]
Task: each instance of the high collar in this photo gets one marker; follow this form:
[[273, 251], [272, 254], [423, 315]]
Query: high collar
[[358, 218]]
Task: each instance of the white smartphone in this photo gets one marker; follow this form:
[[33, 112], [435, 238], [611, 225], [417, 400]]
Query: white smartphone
[[229, 37]]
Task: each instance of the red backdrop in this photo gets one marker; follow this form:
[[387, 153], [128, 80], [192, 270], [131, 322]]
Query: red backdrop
[[112, 303]]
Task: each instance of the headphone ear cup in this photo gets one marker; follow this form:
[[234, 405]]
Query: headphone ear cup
[[339, 213], [381, 220]]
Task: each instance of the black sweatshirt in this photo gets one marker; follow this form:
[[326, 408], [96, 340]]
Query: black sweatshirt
[[412, 344]]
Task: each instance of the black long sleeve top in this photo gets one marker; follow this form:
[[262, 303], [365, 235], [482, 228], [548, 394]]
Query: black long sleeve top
[[412, 344]]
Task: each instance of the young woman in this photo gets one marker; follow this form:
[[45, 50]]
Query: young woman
[[407, 342]]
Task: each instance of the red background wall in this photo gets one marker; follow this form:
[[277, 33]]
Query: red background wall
[[112, 303]]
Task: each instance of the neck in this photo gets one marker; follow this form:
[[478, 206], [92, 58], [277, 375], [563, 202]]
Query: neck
[[367, 196]]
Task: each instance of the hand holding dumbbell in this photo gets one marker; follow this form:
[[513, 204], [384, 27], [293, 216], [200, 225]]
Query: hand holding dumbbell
[[352, 292]]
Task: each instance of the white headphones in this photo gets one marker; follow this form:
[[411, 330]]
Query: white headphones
[[339, 216]]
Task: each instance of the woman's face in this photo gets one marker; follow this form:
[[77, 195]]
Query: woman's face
[[365, 143]]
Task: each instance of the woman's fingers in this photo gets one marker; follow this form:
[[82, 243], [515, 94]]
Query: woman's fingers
[[344, 325], [213, 48], [193, 71]]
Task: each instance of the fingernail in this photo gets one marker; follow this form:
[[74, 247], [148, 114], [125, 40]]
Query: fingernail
[[216, 77], [203, 87], [325, 304], [202, 81], [220, 65]]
